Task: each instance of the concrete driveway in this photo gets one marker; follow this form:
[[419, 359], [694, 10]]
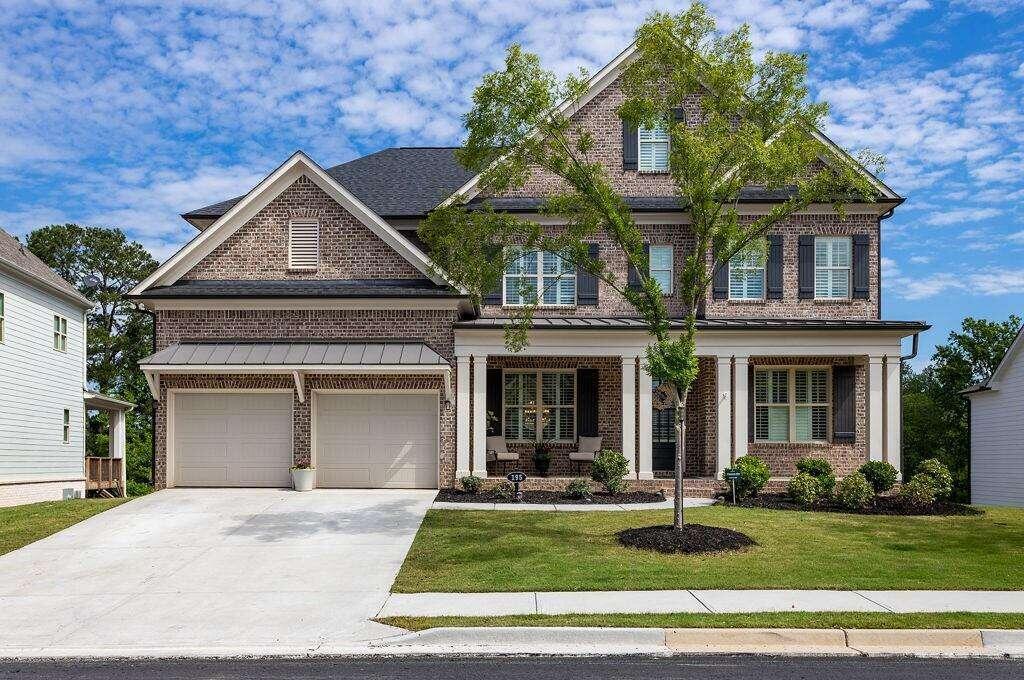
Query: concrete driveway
[[208, 571]]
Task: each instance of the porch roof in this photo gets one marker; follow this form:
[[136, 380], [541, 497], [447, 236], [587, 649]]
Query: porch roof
[[632, 323], [309, 353]]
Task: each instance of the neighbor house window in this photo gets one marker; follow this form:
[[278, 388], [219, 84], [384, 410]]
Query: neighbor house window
[[2, 317], [60, 333], [653, 149], [832, 267], [661, 267], [540, 274], [791, 404], [540, 405], [66, 428], [746, 275], [303, 244]]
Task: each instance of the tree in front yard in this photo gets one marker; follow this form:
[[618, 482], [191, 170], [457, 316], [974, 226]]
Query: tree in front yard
[[753, 125]]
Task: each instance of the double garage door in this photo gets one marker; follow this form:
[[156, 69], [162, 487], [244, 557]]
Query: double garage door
[[360, 440]]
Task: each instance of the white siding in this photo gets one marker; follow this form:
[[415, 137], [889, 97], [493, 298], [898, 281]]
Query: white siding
[[36, 384], [997, 440]]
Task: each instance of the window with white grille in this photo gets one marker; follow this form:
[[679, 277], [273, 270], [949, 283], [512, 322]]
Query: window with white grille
[[832, 256], [303, 244], [653, 149], [791, 405]]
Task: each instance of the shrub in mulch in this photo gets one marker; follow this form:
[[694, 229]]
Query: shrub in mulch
[[693, 539], [548, 497], [881, 505]]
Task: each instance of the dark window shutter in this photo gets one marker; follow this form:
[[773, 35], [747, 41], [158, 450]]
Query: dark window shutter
[[805, 272], [773, 269], [860, 266], [720, 281], [586, 402], [679, 115], [494, 296], [494, 426], [586, 283], [630, 146], [633, 276], [844, 390], [750, 403]]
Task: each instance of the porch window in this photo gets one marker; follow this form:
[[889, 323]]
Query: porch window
[[791, 404], [653, 146], [541, 402], [541, 277], [746, 275], [832, 267]]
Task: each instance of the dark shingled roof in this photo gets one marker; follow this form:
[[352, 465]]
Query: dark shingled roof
[[397, 182], [295, 353], [633, 323], [326, 288], [15, 255]]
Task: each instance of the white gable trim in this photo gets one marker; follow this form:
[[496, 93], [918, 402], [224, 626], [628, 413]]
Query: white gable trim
[[607, 75], [1008, 358], [259, 197]]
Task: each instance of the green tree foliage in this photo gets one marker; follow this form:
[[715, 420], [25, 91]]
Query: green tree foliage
[[935, 413], [105, 265]]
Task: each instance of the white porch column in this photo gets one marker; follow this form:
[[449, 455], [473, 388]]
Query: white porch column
[[740, 393], [480, 415], [462, 397], [724, 382], [646, 425], [629, 412], [892, 411], [875, 408], [117, 442]]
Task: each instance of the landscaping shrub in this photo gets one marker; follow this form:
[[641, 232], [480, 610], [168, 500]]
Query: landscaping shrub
[[505, 491], [578, 488], [754, 474], [919, 492], [804, 488], [471, 483], [821, 470], [880, 475], [942, 481], [854, 492], [135, 488], [608, 469]]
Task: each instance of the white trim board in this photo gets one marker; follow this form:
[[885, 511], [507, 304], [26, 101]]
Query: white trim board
[[461, 304]]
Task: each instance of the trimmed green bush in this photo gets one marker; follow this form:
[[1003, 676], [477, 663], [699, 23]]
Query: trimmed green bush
[[804, 488], [505, 491], [880, 475], [919, 492], [754, 474], [135, 488], [942, 481], [820, 469], [608, 469], [854, 492], [578, 488], [471, 483]]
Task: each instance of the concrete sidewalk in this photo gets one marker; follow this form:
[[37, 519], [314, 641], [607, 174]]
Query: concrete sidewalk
[[701, 602]]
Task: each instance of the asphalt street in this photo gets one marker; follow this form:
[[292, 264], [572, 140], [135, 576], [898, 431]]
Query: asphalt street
[[534, 668]]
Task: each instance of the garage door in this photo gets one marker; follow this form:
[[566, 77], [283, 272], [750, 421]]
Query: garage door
[[224, 439], [376, 440]]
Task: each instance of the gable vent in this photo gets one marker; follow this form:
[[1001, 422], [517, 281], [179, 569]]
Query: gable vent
[[303, 244]]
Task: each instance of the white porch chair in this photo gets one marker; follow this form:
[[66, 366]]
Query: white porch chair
[[497, 450], [587, 449]]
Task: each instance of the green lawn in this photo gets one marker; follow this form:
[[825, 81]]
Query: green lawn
[[24, 524], [761, 620], [467, 551]]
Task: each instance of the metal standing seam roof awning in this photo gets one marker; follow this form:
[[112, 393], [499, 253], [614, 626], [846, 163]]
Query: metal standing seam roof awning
[[297, 358]]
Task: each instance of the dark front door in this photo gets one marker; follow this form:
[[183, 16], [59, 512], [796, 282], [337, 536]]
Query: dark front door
[[663, 434]]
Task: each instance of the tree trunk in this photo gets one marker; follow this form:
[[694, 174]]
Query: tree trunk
[[680, 427]]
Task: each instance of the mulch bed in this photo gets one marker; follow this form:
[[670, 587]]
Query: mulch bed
[[693, 539], [549, 497], [883, 505]]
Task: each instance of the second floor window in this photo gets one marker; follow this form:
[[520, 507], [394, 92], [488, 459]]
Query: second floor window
[[303, 244], [542, 277], [60, 333], [832, 267], [746, 275], [2, 317], [653, 149], [791, 405], [660, 263], [66, 428]]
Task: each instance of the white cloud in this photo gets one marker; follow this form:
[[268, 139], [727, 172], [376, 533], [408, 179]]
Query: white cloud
[[961, 215]]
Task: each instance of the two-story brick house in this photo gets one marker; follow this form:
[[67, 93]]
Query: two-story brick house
[[305, 322]]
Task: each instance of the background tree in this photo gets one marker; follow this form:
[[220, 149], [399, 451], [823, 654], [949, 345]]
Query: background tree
[[753, 127], [935, 414], [104, 265]]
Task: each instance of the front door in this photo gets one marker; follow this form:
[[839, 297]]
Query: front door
[[663, 434]]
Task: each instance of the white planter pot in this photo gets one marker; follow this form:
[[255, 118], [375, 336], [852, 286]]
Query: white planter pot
[[303, 480]]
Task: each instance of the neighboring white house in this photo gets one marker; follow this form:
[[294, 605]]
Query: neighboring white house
[[997, 432], [42, 382]]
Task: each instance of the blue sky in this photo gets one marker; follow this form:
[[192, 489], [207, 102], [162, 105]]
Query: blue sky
[[129, 113]]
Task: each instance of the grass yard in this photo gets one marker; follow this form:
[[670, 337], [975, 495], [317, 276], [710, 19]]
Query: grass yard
[[487, 551], [759, 620], [24, 524]]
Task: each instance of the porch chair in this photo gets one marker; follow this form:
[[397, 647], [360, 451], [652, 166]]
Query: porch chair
[[588, 448], [498, 451]]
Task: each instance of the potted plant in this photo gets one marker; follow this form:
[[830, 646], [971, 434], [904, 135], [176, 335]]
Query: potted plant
[[542, 457], [303, 476]]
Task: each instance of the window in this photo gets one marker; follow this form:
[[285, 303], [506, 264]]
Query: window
[[2, 317], [746, 275], [60, 333], [541, 402], [543, 274], [661, 267], [832, 267], [653, 147], [66, 429], [303, 244], [791, 404]]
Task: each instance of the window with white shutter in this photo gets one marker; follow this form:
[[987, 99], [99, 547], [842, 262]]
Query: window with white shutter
[[303, 244], [653, 155]]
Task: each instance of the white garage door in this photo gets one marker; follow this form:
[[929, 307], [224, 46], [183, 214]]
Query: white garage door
[[225, 439], [376, 440]]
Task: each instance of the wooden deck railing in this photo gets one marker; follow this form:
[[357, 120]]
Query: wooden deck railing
[[103, 473]]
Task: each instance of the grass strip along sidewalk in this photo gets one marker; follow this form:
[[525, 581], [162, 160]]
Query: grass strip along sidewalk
[[24, 524]]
